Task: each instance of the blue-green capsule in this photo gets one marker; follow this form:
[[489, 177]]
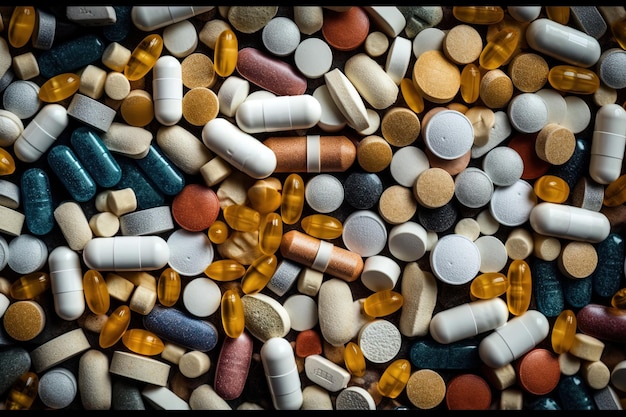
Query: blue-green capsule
[[430, 354], [146, 193], [577, 292], [70, 55], [72, 173], [547, 287], [575, 394], [608, 275], [95, 156], [37, 201], [163, 173]]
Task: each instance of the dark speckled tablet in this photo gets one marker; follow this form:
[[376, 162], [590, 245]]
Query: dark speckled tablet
[[362, 190], [179, 327], [603, 322]]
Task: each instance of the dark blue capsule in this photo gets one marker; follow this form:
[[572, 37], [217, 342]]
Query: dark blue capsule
[[547, 287], [146, 193], [575, 394], [181, 328], [430, 354], [95, 157], [607, 277], [37, 201], [70, 55], [163, 173], [72, 174], [576, 166], [577, 291], [118, 31]]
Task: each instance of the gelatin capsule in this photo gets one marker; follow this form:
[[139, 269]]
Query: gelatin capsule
[[411, 96], [559, 14], [470, 83], [72, 173], [619, 299], [322, 226], [218, 232], [59, 87], [7, 163], [563, 331], [29, 286], [259, 274], [168, 287], [489, 285], [575, 80], [618, 29], [114, 327], [37, 201], [144, 57], [520, 287], [96, 292], [615, 192], [233, 319], [225, 54], [23, 392], [242, 218], [394, 378], [499, 49], [225, 270], [270, 233], [96, 157], [21, 25], [264, 196], [354, 359], [143, 342], [551, 188], [383, 303], [478, 15], [163, 173], [292, 202]]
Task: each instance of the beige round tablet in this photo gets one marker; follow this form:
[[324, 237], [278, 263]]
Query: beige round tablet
[[200, 105], [462, 44], [435, 77], [578, 259], [400, 126], [137, 109], [547, 248], [587, 347], [397, 204], [434, 188], [376, 44], [24, 320], [468, 227], [426, 389], [519, 244], [374, 153], [197, 71], [496, 89], [483, 119], [116, 85], [528, 72], [555, 144]]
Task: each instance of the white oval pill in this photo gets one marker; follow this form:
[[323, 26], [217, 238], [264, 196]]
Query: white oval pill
[[302, 311], [449, 134], [202, 297], [429, 39], [455, 259], [313, 57], [331, 119], [398, 58], [511, 205], [364, 233]]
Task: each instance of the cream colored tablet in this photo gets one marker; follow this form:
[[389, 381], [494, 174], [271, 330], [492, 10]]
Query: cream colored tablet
[[398, 58], [379, 341], [493, 255], [139, 368], [180, 38], [59, 349], [313, 57], [347, 99]]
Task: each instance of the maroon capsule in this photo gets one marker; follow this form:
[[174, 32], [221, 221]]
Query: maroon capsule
[[232, 366], [602, 322], [269, 73]]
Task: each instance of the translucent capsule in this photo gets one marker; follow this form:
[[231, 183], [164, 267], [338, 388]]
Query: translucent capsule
[[226, 53], [143, 342], [470, 83], [292, 202], [615, 192], [394, 378], [520, 287], [7, 163], [499, 49], [478, 15], [270, 233], [551, 188], [242, 218], [233, 319], [411, 96], [489, 285], [563, 331], [382, 303], [619, 299], [218, 232], [354, 359], [37, 201], [21, 25], [264, 196], [144, 57], [59, 87], [225, 270], [96, 292], [29, 286], [322, 226], [168, 287], [559, 14], [575, 80], [114, 327], [23, 392], [618, 29], [259, 274]]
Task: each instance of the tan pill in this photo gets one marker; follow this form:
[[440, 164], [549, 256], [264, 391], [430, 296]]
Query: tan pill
[[143, 300], [119, 287], [74, 225], [397, 204], [198, 71], [211, 30], [139, 368], [586, 347], [141, 278], [371, 81], [419, 289], [426, 389], [483, 119], [116, 86], [172, 352], [24, 320], [183, 148], [555, 144], [528, 72], [400, 126], [116, 56], [434, 188], [59, 349], [596, 374], [122, 201], [578, 259], [496, 89], [500, 378], [373, 153], [104, 224], [25, 66], [193, 364], [435, 77], [547, 248], [347, 98], [94, 380], [200, 105], [137, 109], [131, 141], [462, 44], [376, 44], [569, 364], [215, 171], [519, 244], [11, 221]]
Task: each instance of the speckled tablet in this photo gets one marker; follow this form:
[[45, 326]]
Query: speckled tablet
[[364, 232], [455, 259], [190, 252], [511, 205], [449, 134]]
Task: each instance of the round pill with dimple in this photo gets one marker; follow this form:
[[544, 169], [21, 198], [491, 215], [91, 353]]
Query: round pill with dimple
[[407, 163], [493, 254], [611, 68], [21, 98], [408, 241], [379, 340], [511, 205], [362, 190], [201, 297], [27, 254], [197, 71], [449, 134], [24, 320], [528, 113], [190, 252], [538, 371], [397, 204], [57, 388], [374, 153], [434, 188], [503, 165], [324, 193], [400, 126], [455, 259], [346, 30], [473, 187], [196, 207], [468, 392], [313, 57], [364, 232]]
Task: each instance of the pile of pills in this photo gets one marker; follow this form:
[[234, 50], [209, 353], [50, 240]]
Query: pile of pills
[[312, 207]]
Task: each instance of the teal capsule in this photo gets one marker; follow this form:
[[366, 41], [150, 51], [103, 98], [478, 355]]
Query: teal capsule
[[430, 354], [608, 275], [547, 287], [578, 292], [544, 403], [147, 194], [95, 157], [70, 55], [72, 173], [37, 201], [575, 394], [163, 173]]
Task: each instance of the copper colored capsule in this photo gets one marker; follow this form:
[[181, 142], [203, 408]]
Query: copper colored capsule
[[312, 153]]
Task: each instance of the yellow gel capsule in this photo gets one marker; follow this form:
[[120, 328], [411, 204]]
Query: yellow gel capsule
[[114, 327], [59, 87], [551, 188], [478, 15], [259, 274], [470, 83], [144, 56], [354, 359], [21, 25], [499, 49], [233, 319], [242, 218], [143, 342], [7, 163], [411, 96], [226, 53], [575, 80], [218, 232], [559, 14], [270, 233], [382, 303], [23, 392], [520, 287], [618, 29], [394, 378], [292, 202], [489, 285], [615, 192], [225, 270], [29, 286], [264, 197], [322, 226], [619, 299], [96, 292], [168, 287], [563, 332]]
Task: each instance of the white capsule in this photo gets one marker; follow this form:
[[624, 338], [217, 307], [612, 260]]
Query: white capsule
[[148, 18], [608, 144], [241, 150], [524, 13], [126, 253], [66, 282], [569, 222], [167, 90], [278, 113], [468, 320], [281, 373], [41, 132]]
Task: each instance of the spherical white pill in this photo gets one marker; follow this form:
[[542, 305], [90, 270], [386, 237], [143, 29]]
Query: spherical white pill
[[379, 340], [313, 57], [449, 134], [21, 98], [364, 232], [408, 241], [473, 187], [202, 297], [511, 205], [281, 36], [493, 254], [190, 252], [504, 165], [324, 193], [455, 259], [302, 311], [528, 113], [407, 163], [380, 273]]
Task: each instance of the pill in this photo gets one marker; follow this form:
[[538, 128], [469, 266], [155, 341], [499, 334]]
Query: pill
[[24, 320], [565, 221], [347, 99], [335, 22], [364, 232], [447, 263], [70, 55], [602, 322], [124, 253], [73, 175], [512, 205], [201, 297], [196, 255], [449, 134], [468, 391], [281, 374], [148, 18], [278, 114], [400, 126], [94, 381], [21, 98], [463, 44], [265, 317], [59, 349], [269, 73], [379, 340], [355, 398], [313, 57], [91, 112], [57, 388], [39, 135], [167, 90], [232, 367], [397, 204], [181, 328], [426, 399], [95, 157], [361, 70], [162, 398], [324, 193], [141, 368]]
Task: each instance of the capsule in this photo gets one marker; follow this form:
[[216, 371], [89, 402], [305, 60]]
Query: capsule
[[322, 226], [618, 300], [354, 359], [224, 270], [218, 232], [608, 144], [37, 201], [149, 18], [21, 25], [167, 90], [59, 87], [7, 164], [96, 157], [233, 319], [143, 342], [114, 327], [144, 57], [411, 96], [265, 196], [270, 233], [551, 188], [563, 332], [225, 54], [23, 392], [615, 192], [259, 274], [292, 202], [499, 49], [489, 285], [278, 113], [383, 303], [71, 172], [559, 14], [66, 282], [242, 218], [470, 83], [478, 15], [573, 80], [163, 173], [312, 153], [394, 378], [169, 287], [29, 286], [618, 29], [520, 287], [71, 55], [96, 292], [126, 253], [569, 222], [42, 131], [281, 373]]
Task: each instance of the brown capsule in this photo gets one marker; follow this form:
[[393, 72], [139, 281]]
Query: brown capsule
[[298, 153]]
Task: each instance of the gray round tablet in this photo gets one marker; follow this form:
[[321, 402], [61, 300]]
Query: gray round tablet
[[504, 165], [473, 188], [27, 254], [281, 36], [22, 98], [455, 259], [511, 205], [57, 388], [324, 193]]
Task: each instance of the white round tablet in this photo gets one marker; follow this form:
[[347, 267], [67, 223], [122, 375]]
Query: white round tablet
[[379, 340], [503, 165], [557, 107], [281, 36], [578, 115], [380, 273], [493, 254], [511, 205], [455, 259], [332, 119], [407, 163], [429, 39], [324, 193], [408, 241], [302, 311], [528, 113], [190, 252], [202, 297], [449, 134], [313, 57], [180, 38], [398, 58], [364, 232]]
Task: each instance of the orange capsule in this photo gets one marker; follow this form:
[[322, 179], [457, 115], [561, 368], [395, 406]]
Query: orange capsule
[[21, 25], [218, 232], [270, 233], [143, 342], [259, 274], [573, 80], [59, 87], [413, 98], [470, 83], [114, 327], [168, 287], [394, 378], [354, 359], [520, 287], [563, 331], [96, 292], [144, 57], [292, 202], [225, 270], [478, 15], [322, 226], [382, 303], [226, 53], [551, 188], [7, 163], [233, 319], [499, 49], [29, 286], [489, 285]]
